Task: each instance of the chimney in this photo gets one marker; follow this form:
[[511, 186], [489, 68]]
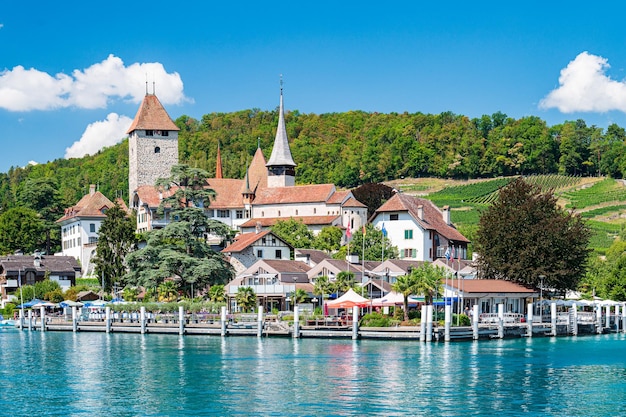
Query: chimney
[[92, 189], [446, 214], [420, 212]]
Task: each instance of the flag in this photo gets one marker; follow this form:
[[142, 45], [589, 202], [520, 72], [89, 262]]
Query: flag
[[452, 253], [447, 253], [384, 230], [348, 232]]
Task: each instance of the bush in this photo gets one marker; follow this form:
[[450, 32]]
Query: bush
[[376, 320]]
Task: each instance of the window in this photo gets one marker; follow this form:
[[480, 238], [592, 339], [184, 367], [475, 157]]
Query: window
[[149, 132], [278, 213], [93, 239], [157, 150], [264, 240], [279, 254], [239, 214], [92, 227], [296, 212], [408, 234], [223, 213], [259, 253], [410, 253], [393, 216]]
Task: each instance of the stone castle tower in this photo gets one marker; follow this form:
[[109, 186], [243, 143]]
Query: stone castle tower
[[152, 144]]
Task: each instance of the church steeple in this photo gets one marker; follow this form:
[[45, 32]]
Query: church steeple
[[218, 163], [281, 167]]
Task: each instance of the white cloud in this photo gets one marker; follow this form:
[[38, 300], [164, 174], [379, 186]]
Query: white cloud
[[98, 135], [585, 87], [1, 25], [30, 89]]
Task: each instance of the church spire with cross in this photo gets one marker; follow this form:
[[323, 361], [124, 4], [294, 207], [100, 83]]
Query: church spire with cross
[[281, 167]]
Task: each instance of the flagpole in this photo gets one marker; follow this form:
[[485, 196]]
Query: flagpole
[[363, 260]]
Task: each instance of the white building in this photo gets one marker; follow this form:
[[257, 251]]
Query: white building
[[80, 225], [419, 229]]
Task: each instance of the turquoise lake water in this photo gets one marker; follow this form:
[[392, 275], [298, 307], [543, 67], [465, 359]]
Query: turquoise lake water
[[95, 374]]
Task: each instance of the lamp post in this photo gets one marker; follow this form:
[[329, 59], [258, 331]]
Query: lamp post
[[541, 277]]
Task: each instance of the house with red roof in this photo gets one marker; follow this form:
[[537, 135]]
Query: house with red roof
[[420, 230], [80, 225], [250, 247]]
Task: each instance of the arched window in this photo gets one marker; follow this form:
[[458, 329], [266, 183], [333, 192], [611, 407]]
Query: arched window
[[157, 150]]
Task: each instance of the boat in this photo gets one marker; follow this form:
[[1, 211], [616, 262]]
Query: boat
[[6, 322]]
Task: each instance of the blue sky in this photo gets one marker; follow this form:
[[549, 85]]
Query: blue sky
[[72, 74]]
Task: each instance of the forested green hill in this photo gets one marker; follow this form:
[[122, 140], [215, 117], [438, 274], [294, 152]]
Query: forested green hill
[[357, 147]]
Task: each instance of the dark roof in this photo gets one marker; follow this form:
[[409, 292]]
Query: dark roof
[[11, 265], [315, 255]]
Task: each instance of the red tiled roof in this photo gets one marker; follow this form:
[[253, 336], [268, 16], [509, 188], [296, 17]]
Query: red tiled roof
[[339, 196], [227, 193], [91, 205], [152, 116], [432, 217], [314, 193], [308, 220], [353, 202], [489, 286], [244, 241]]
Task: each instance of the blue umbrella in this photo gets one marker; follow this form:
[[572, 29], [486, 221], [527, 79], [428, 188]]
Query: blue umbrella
[[30, 303]]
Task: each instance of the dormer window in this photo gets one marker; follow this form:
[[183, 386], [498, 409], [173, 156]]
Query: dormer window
[[149, 132]]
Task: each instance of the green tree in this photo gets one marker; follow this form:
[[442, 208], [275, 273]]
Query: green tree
[[373, 195], [299, 296], [168, 291], [180, 250], [323, 287], [294, 232], [524, 235], [44, 289], [374, 241], [42, 195], [405, 285], [116, 239], [21, 229], [343, 282], [246, 298], [328, 239], [217, 293]]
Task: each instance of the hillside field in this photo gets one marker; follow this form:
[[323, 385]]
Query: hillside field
[[601, 201]]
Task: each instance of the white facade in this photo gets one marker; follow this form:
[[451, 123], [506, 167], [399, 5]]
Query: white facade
[[404, 233], [79, 239]]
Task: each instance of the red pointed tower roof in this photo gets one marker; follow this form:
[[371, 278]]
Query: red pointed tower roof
[[152, 116]]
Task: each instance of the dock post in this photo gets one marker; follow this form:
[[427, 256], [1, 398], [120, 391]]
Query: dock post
[[617, 323], [599, 319], [429, 323], [21, 325], [446, 323], [107, 318], [355, 323], [529, 319], [30, 320], [624, 318], [223, 321], [423, 324], [259, 320], [501, 321], [475, 319], [575, 324], [181, 320], [553, 318], [142, 318], [607, 315], [74, 320], [296, 322], [42, 314]]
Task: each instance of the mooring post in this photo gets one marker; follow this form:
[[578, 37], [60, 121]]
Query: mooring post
[[296, 322], [429, 323], [42, 314], [501, 321], [607, 314], [355, 323], [423, 324], [259, 322], [475, 320], [617, 324], [529, 319], [21, 325], [446, 322], [623, 318], [223, 321], [30, 320], [575, 320], [598, 319], [74, 319], [107, 318], [181, 320], [553, 318], [142, 318]]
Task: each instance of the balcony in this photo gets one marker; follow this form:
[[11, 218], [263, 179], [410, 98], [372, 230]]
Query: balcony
[[269, 289]]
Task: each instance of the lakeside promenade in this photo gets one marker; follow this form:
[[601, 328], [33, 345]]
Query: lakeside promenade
[[488, 326]]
